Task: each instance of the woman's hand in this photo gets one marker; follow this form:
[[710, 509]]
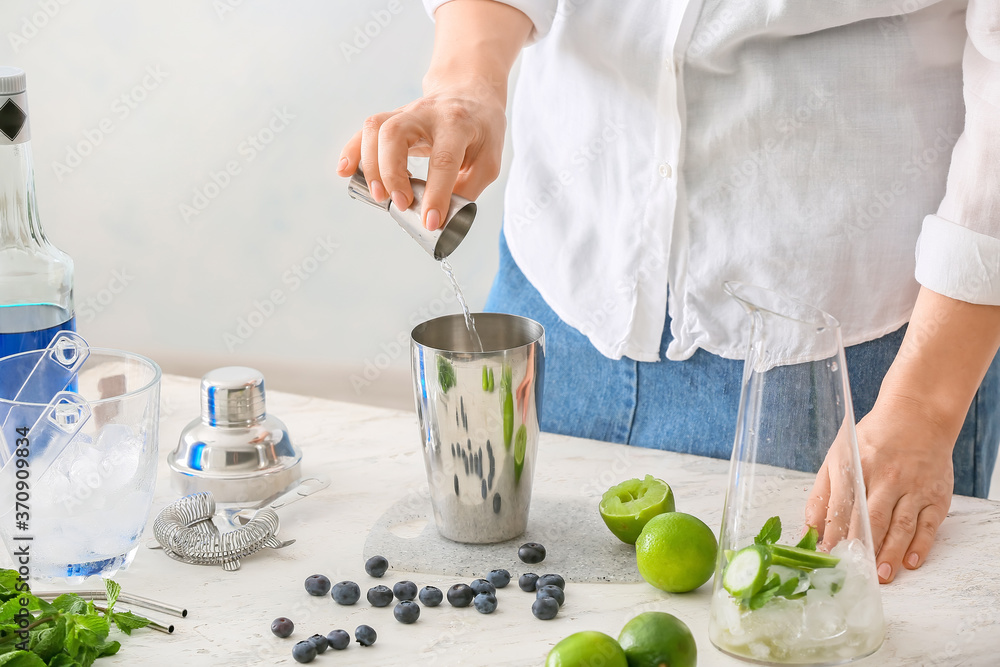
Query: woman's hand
[[460, 121], [906, 463], [906, 441], [460, 127]]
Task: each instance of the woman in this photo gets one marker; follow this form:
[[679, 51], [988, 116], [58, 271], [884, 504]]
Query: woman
[[661, 148]]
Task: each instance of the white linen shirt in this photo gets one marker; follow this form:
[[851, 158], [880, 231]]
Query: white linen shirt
[[666, 146]]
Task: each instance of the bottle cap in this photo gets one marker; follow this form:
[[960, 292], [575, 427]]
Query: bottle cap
[[232, 396], [12, 80]]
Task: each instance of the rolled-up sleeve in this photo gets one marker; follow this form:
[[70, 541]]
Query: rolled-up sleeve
[[958, 252], [541, 12]]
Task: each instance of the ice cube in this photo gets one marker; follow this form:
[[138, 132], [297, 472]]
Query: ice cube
[[111, 437], [760, 651], [823, 619]]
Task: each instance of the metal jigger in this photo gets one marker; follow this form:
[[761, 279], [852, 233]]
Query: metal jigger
[[235, 450], [439, 243]]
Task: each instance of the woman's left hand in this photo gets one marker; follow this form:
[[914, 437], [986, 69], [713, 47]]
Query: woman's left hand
[[907, 468]]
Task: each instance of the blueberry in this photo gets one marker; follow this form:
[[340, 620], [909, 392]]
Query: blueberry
[[431, 596], [486, 603], [319, 643], [365, 635], [498, 578], [317, 585], [527, 582], [346, 592], [407, 612], [404, 590], [376, 566], [551, 580], [338, 639], [304, 651], [551, 591], [531, 553], [482, 586], [545, 608], [379, 596], [460, 595], [282, 626]]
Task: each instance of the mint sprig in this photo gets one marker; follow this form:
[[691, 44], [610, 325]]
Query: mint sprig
[[67, 632]]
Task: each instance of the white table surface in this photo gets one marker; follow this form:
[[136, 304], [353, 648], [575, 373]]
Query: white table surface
[[946, 613]]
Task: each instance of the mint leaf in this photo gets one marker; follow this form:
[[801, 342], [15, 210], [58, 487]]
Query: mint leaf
[[770, 533], [21, 659], [107, 648], [48, 641], [127, 622], [809, 540], [71, 603], [114, 590], [98, 625], [63, 660]]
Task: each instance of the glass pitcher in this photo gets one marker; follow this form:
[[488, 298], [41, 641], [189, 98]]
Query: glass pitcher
[[784, 593]]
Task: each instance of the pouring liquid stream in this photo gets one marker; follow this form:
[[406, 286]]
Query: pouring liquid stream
[[470, 324]]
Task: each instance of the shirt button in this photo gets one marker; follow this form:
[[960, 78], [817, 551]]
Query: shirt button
[[666, 171]]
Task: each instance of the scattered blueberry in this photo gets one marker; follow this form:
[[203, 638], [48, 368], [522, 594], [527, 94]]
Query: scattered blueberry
[[379, 596], [498, 578], [319, 642], [407, 612], [431, 596], [338, 639], [482, 586], [486, 603], [545, 608], [346, 592], [365, 635], [531, 553], [551, 580], [282, 626], [405, 590], [376, 566], [551, 592], [317, 585], [304, 651], [527, 582], [460, 595]]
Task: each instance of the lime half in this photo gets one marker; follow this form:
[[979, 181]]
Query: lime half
[[627, 507]]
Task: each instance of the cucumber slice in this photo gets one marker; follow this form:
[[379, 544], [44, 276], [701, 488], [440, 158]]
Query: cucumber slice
[[805, 559], [746, 573]]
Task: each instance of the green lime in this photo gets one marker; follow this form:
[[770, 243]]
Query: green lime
[[626, 507], [676, 552], [658, 639], [520, 448], [587, 649]]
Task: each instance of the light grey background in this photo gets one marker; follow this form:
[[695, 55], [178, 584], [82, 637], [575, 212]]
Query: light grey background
[[199, 78]]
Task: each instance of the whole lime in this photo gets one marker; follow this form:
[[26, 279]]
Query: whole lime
[[658, 639], [587, 649], [676, 552]]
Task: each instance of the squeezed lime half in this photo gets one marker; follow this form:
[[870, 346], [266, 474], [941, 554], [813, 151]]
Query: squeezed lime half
[[627, 507]]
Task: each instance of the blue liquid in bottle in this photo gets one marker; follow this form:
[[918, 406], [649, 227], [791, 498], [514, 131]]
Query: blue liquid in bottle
[[26, 328]]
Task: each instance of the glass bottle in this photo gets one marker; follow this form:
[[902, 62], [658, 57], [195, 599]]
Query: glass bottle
[[785, 593], [36, 278]]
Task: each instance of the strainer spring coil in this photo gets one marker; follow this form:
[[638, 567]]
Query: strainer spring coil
[[186, 532]]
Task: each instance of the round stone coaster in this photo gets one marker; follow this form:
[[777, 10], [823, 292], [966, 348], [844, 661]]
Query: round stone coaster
[[578, 544]]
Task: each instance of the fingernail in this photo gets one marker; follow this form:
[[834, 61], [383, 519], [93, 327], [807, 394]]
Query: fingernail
[[805, 529], [343, 164], [912, 559], [432, 220], [378, 192], [884, 571], [398, 200]]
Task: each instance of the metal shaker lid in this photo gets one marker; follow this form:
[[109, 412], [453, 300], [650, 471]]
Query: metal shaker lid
[[232, 396]]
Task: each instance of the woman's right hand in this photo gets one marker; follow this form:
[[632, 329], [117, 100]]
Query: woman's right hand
[[459, 127], [460, 121]]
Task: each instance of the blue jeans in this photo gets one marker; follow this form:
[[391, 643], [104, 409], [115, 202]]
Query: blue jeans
[[691, 406]]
